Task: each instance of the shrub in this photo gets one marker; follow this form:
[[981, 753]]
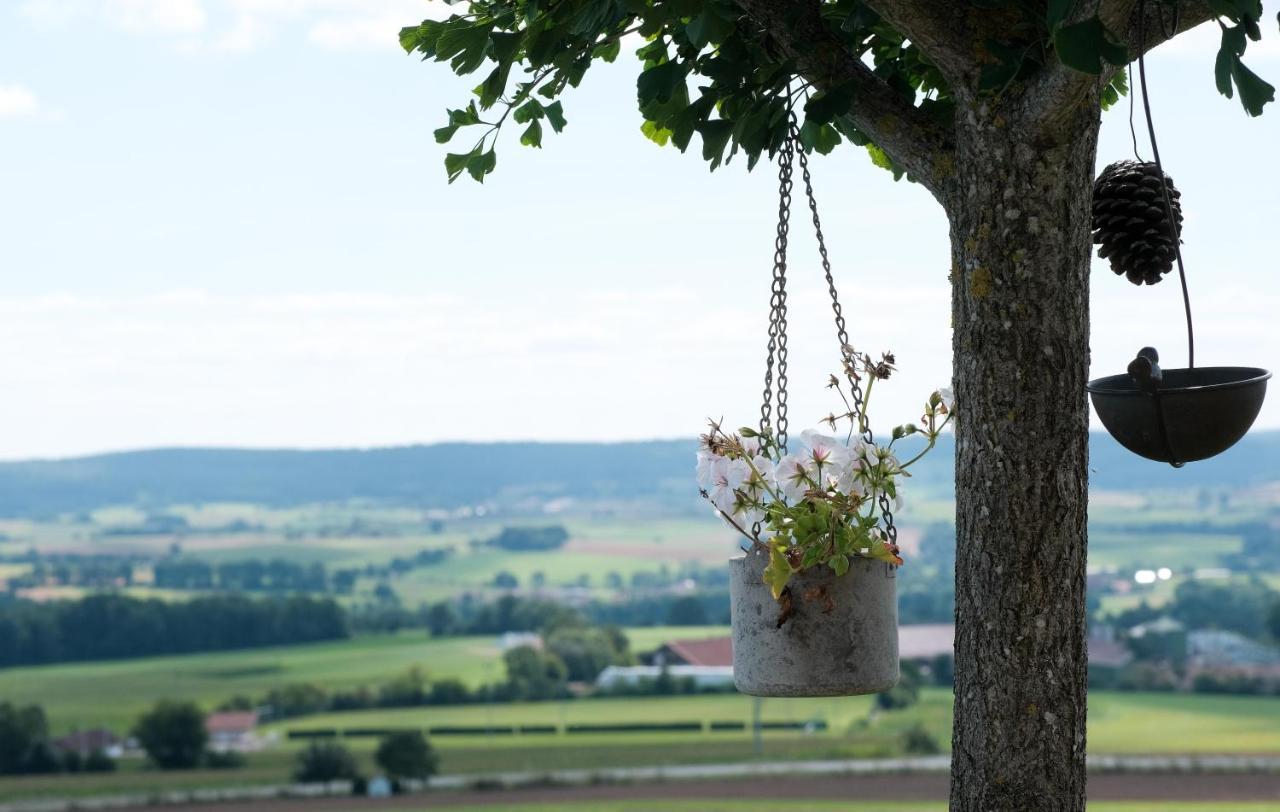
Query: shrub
[[72, 762], [449, 692], [903, 695], [1147, 677], [99, 762], [917, 741], [173, 734], [22, 731], [324, 761], [407, 754], [224, 760], [43, 760], [407, 690]]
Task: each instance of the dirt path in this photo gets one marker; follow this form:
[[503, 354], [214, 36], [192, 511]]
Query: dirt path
[[1181, 787]]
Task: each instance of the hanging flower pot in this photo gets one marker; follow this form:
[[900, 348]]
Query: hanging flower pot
[[830, 635], [814, 608]]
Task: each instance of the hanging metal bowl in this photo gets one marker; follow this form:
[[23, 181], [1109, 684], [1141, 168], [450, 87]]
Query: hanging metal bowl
[[1178, 415]]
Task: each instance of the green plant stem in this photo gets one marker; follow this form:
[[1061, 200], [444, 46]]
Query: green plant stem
[[933, 440], [863, 419]]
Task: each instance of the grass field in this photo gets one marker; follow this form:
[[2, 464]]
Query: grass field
[[112, 694], [1119, 722], [343, 536]]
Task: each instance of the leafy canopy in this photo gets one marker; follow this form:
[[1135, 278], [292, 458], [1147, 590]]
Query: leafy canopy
[[709, 70]]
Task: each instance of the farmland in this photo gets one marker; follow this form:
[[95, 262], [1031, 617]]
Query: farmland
[[1120, 723], [601, 554], [73, 694]]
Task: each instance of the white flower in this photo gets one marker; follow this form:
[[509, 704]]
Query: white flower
[[751, 445], [744, 508], [848, 480], [795, 475], [756, 485], [727, 476], [824, 449], [948, 397], [897, 496], [888, 460], [705, 462]]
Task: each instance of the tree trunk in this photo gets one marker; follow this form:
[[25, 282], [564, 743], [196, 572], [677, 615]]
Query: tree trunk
[[1019, 214]]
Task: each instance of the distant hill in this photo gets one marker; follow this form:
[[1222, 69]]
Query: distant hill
[[449, 475]]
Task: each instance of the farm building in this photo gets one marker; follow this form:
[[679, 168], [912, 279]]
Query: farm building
[[1212, 647], [705, 677], [85, 742], [709, 652], [916, 642], [510, 640], [232, 730]]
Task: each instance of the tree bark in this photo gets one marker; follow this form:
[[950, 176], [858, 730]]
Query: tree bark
[[1019, 210]]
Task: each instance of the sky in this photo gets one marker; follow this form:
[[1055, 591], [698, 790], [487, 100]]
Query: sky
[[226, 223]]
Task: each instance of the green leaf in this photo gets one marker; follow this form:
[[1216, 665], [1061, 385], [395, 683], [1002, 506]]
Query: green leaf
[[777, 573], [444, 134], [709, 27], [656, 133], [1056, 12], [456, 162], [1222, 68], [461, 118], [879, 157], [825, 107], [529, 111], [658, 83], [609, 51], [504, 47], [715, 136], [465, 42], [1115, 89], [532, 136], [821, 138], [1255, 92], [482, 164], [1086, 45], [492, 88], [839, 564], [555, 116]]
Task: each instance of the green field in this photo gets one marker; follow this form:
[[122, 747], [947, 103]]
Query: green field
[[75, 694], [355, 535], [1119, 722]]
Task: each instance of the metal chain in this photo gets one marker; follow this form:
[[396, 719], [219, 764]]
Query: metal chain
[[846, 352], [778, 305]]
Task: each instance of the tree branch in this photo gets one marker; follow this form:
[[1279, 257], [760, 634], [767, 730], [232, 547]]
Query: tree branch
[[913, 140], [941, 29], [1059, 91]]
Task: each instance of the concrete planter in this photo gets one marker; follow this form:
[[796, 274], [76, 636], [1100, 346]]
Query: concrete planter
[[842, 639]]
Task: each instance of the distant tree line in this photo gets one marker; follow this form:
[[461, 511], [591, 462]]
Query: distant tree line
[[72, 569], [530, 539], [114, 626], [251, 575]]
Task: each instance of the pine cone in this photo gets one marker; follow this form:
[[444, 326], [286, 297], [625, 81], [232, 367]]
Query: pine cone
[[1131, 224]]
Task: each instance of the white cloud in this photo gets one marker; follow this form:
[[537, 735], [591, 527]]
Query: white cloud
[[17, 101], [243, 25], [156, 16], [351, 33], [367, 368], [133, 16]]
